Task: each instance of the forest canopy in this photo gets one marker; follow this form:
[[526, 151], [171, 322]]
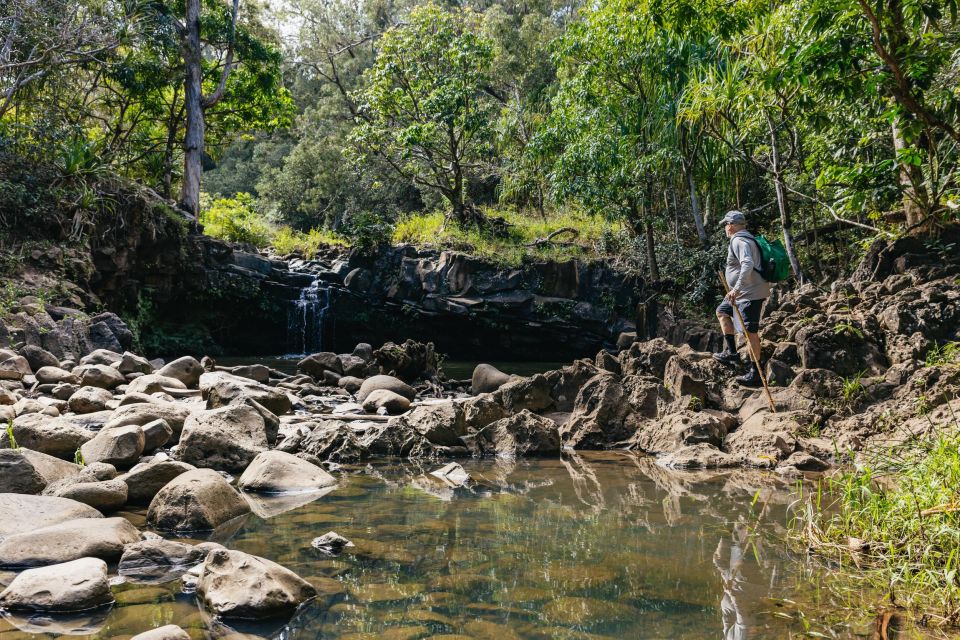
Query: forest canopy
[[829, 122]]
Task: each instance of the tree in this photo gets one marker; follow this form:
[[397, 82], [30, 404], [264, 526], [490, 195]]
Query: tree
[[424, 108]]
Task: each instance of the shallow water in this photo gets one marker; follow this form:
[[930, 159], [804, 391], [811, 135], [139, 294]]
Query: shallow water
[[592, 545], [453, 369]]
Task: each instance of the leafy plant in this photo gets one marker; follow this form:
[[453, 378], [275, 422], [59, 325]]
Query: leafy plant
[[11, 439], [235, 220], [847, 329], [947, 353], [78, 458]]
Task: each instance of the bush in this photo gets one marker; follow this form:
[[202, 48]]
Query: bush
[[288, 240], [235, 220]]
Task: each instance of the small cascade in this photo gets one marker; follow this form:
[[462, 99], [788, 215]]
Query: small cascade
[[305, 319]]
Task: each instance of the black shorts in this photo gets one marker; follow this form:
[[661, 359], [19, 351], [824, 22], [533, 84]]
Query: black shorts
[[750, 309]]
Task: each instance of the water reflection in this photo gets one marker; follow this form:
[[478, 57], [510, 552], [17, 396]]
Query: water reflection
[[599, 545]]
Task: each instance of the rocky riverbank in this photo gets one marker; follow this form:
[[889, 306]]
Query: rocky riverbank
[[196, 443]]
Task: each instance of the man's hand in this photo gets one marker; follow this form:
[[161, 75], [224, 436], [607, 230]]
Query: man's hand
[[733, 294]]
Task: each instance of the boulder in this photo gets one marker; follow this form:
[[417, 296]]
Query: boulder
[[119, 446], [236, 585], [228, 438], [648, 357], [441, 424], [147, 478], [392, 403], [566, 382], [14, 368], [198, 500], [132, 363], [350, 383], [155, 383], [531, 393], [150, 560], [144, 413], [99, 375], [523, 434], [278, 472], [334, 441], [89, 400], [487, 378], [256, 372], [101, 356], [27, 471], [765, 439], [315, 365], [58, 437], [481, 410], [107, 495], [353, 365], [186, 369], [221, 389], [69, 586], [681, 429], [38, 358], [156, 433], [270, 420], [602, 414], [24, 513], [97, 472], [390, 383], [844, 348], [166, 632], [102, 538], [55, 375]]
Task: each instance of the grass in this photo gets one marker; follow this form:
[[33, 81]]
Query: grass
[[946, 354], [286, 240], [11, 439], [429, 230], [894, 521]]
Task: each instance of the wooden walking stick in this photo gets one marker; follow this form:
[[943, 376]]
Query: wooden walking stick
[[754, 356]]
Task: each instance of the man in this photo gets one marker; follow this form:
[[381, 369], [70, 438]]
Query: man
[[748, 290]]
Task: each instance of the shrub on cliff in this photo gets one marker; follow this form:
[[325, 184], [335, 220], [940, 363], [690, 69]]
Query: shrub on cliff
[[235, 220]]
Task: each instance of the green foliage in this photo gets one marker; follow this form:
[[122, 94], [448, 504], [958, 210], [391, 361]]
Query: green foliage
[[423, 108], [78, 458], [947, 353], [287, 240], [895, 523], [235, 220], [11, 439]]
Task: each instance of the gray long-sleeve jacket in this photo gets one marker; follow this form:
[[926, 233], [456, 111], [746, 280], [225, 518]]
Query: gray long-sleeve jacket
[[743, 257]]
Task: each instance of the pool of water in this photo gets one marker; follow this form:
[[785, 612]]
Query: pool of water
[[601, 545]]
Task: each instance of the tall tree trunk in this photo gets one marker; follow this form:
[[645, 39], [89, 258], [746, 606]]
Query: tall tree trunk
[[193, 103], [695, 208], [783, 205], [915, 199], [651, 253]]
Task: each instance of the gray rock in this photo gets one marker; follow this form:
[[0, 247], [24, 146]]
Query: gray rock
[[144, 413], [38, 358], [237, 585], [166, 632], [531, 393], [101, 356], [154, 383], [186, 369], [156, 433], [55, 375], [70, 586], [59, 437], [27, 471], [350, 383], [277, 472], [393, 403], [221, 389], [364, 351], [146, 479], [102, 538], [108, 495], [89, 400], [523, 434], [441, 424], [198, 500], [487, 378], [353, 365], [228, 438], [316, 364], [389, 383], [99, 375], [132, 363], [681, 429], [156, 560], [24, 513], [97, 472], [256, 372], [699, 456], [119, 446]]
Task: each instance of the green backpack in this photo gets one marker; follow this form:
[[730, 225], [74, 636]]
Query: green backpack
[[774, 263]]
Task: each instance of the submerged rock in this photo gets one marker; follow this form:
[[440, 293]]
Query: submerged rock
[[70, 586], [330, 543], [237, 585], [161, 560]]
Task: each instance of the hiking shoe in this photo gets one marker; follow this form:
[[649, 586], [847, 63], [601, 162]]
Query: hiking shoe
[[750, 379], [729, 358]]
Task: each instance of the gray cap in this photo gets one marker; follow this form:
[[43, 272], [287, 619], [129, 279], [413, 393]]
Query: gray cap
[[733, 217]]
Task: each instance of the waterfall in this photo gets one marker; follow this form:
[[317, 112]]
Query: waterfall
[[305, 319]]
